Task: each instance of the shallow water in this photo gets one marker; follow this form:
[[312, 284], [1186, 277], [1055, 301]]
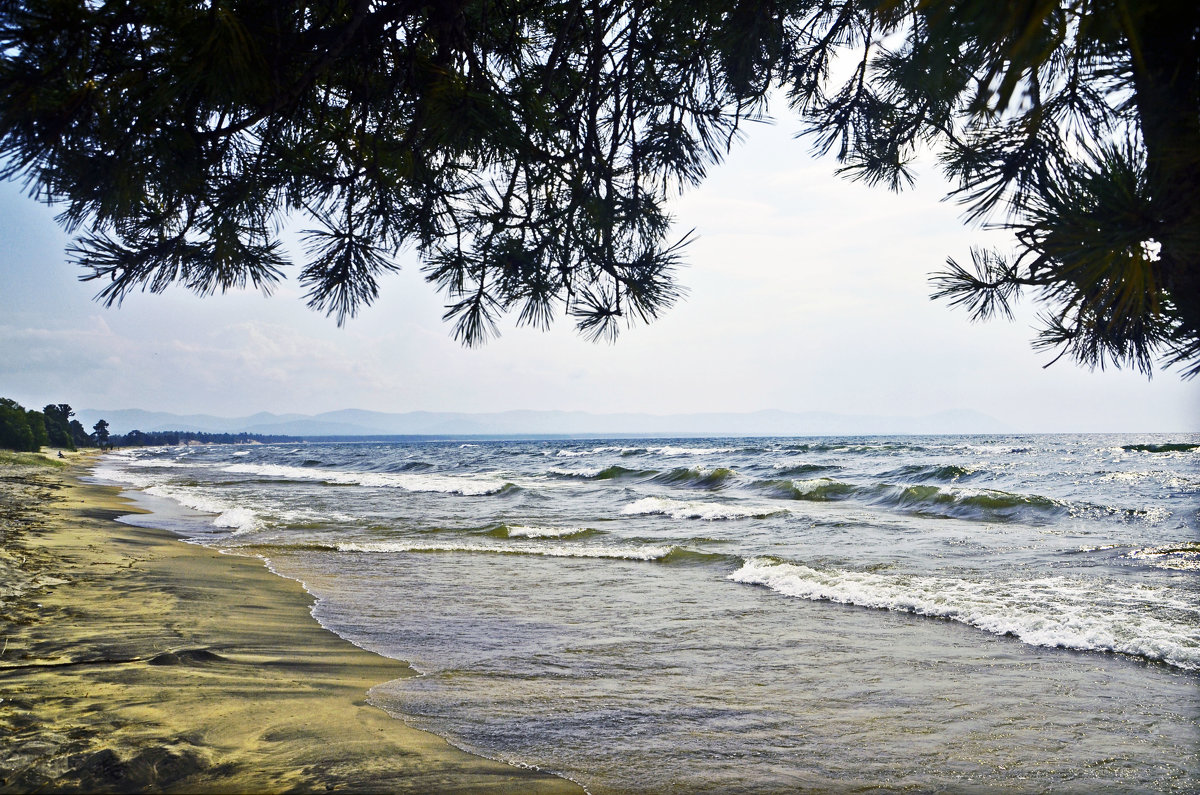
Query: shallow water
[[748, 614]]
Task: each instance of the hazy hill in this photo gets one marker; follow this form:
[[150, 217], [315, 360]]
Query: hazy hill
[[357, 422]]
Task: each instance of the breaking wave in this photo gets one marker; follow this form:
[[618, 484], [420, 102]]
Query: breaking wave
[[815, 489], [680, 509], [646, 552], [1052, 611], [920, 473], [466, 485], [1176, 557], [526, 531], [696, 477]]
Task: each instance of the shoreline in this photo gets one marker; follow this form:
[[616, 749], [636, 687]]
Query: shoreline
[[132, 660]]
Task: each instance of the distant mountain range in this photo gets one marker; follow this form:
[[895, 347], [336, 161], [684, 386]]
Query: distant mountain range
[[356, 422]]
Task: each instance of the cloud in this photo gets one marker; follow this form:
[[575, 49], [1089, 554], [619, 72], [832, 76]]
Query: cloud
[[806, 293]]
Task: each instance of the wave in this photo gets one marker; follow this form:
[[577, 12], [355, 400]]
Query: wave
[[1180, 447], [160, 463], [671, 450], [607, 473], [696, 477], [663, 450], [815, 489], [554, 550], [958, 503], [1086, 614], [238, 518], [1174, 557], [659, 553], [948, 501], [922, 472], [679, 509], [786, 471], [852, 448], [117, 474], [466, 485], [526, 531], [690, 556], [569, 453]]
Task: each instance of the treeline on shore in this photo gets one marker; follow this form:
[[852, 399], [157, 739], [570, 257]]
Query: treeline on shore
[[28, 430]]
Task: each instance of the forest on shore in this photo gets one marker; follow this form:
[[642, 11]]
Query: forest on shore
[[29, 430]]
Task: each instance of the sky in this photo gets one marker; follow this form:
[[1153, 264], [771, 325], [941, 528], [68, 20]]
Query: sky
[[805, 293]]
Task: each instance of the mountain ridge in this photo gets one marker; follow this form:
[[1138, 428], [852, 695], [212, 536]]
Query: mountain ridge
[[527, 422]]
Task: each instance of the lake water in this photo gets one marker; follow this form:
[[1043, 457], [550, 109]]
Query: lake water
[[747, 615]]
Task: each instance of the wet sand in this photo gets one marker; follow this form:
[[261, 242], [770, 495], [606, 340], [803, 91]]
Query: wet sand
[[132, 661]]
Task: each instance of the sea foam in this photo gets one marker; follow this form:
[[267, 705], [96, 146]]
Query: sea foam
[[524, 531], [239, 518], [466, 485], [1054, 611], [680, 509], [555, 550]]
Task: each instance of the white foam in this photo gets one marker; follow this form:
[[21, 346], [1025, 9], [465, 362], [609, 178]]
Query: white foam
[[160, 462], [242, 520], [1076, 613], [676, 451], [564, 453], [242, 452], [469, 486], [238, 517], [615, 551], [587, 472], [1173, 557], [665, 450], [679, 509], [302, 516], [523, 531], [1100, 548], [116, 474]]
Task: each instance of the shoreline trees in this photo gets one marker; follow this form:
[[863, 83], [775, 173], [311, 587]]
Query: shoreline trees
[[527, 149], [29, 431]]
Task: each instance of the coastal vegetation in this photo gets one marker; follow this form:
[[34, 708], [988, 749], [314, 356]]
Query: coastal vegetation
[[528, 151], [9, 458], [25, 430]]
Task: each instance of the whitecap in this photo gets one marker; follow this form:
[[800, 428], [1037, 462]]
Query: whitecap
[[669, 450], [524, 531], [614, 551], [467, 485], [1077, 613], [680, 509], [587, 472], [237, 517], [1173, 557]]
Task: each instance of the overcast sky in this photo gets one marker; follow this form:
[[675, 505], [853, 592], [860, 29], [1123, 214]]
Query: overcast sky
[[806, 293]]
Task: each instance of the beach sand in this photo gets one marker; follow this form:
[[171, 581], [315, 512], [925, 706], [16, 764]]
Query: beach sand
[[133, 661]]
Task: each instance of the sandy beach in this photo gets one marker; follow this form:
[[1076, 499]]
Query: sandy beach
[[133, 661]]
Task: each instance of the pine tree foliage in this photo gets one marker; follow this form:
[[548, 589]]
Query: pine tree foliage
[[526, 149]]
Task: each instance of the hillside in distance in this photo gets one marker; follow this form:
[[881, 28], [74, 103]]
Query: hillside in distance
[[358, 422]]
